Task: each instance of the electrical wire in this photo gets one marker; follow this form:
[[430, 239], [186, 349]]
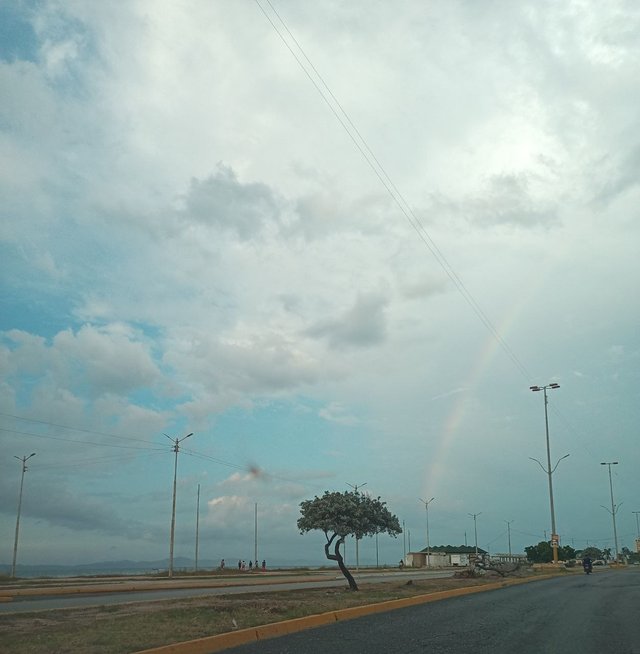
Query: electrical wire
[[258, 474], [71, 440], [86, 431], [380, 172], [85, 462]]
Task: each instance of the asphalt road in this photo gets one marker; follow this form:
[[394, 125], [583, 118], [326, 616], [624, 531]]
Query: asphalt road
[[48, 602], [596, 614]]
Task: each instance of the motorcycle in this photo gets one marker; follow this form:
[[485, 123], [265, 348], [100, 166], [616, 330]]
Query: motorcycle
[[588, 567]]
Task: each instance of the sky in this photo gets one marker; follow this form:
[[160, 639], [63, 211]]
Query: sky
[[337, 243]]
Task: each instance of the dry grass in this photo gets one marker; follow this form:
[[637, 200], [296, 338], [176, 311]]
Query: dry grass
[[127, 628]]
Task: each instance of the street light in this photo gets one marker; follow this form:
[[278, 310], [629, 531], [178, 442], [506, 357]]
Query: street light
[[475, 530], [426, 509], [549, 470], [176, 449], [24, 460], [614, 508], [355, 488], [509, 534]]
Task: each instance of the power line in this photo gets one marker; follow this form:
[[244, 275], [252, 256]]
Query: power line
[[86, 431], [95, 460], [257, 473], [155, 449], [77, 442], [361, 144]]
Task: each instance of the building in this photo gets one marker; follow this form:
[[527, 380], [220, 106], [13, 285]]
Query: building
[[509, 558], [444, 556]]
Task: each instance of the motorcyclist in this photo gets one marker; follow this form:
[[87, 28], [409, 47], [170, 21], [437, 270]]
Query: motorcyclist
[[587, 564]]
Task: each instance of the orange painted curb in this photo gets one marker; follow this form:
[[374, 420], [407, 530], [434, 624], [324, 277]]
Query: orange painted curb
[[212, 644]]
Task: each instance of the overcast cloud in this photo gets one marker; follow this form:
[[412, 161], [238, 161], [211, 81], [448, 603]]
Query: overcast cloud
[[192, 242]]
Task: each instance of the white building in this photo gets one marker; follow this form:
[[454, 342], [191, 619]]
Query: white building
[[443, 556]]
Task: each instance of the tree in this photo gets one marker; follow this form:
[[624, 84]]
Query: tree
[[543, 552], [592, 552], [540, 553], [339, 515]]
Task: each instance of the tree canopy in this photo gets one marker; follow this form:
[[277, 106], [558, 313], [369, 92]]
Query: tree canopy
[[339, 515], [543, 552]]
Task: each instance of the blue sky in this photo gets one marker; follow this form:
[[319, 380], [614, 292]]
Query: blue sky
[[192, 242]]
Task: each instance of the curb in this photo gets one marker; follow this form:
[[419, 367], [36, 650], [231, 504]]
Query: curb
[[211, 644]]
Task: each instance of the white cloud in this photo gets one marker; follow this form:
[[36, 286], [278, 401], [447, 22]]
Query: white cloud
[[335, 412], [193, 241]]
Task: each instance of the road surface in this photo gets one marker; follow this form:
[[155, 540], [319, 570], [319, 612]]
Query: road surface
[[596, 614], [50, 601]]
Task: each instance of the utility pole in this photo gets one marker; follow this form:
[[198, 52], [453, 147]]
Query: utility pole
[[23, 460], [426, 510], [355, 488], [509, 533], [404, 544], [197, 525], [255, 534], [176, 448], [614, 508]]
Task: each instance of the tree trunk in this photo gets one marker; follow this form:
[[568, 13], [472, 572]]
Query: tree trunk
[[336, 556]]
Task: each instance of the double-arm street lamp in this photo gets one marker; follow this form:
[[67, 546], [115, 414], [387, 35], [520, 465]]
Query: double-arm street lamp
[[23, 460], [355, 489], [426, 509], [614, 508], [475, 529], [549, 470]]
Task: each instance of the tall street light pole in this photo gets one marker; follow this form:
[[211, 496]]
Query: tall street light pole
[[426, 510], [614, 508], [548, 469], [509, 534], [355, 488], [23, 460], [176, 448], [197, 526], [255, 534], [475, 529], [404, 544]]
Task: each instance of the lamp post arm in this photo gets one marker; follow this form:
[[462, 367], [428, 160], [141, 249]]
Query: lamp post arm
[[558, 462], [540, 464]]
